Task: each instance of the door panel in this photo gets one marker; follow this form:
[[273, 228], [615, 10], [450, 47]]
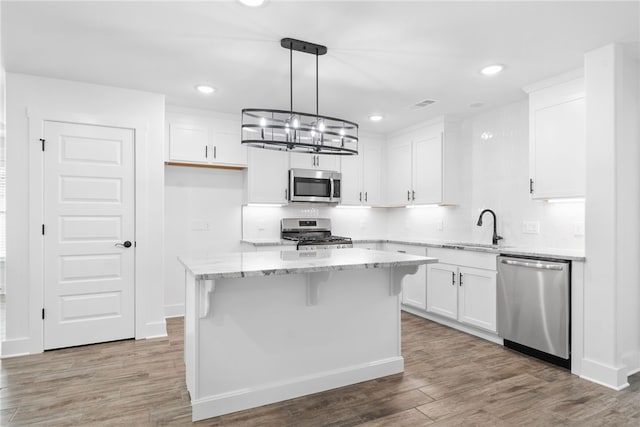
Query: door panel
[[88, 208], [478, 298], [442, 292]]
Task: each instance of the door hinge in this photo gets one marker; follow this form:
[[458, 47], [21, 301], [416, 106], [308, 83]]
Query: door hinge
[[42, 141], [530, 185], [43, 314], [43, 229]]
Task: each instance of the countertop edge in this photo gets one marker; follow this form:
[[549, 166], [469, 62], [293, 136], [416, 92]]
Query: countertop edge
[[541, 253]]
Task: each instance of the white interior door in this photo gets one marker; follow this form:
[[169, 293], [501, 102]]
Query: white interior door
[[88, 215]]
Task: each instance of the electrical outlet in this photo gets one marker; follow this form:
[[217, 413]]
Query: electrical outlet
[[199, 225], [579, 229], [531, 227], [439, 225]]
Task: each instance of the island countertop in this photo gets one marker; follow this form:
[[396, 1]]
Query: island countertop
[[246, 264]]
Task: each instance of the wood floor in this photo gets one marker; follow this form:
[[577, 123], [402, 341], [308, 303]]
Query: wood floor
[[450, 379]]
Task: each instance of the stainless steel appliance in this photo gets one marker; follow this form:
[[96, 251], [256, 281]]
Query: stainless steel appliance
[[308, 185], [312, 234], [534, 307]]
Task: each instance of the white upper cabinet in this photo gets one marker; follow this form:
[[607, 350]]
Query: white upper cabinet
[[422, 165], [314, 161], [399, 171], [267, 176], [188, 143], [361, 177], [202, 137], [557, 138]]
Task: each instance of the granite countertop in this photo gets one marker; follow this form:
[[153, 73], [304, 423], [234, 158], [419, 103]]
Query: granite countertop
[[557, 253], [244, 264]]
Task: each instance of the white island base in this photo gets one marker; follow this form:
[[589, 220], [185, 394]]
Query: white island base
[[251, 341]]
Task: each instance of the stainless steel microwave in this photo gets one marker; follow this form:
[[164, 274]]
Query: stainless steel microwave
[[315, 186]]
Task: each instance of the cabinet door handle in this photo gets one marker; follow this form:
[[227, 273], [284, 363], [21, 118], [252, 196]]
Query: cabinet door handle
[[460, 281], [366, 199], [206, 151], [318, 161], [215, 152], [361, 196], [413, 195], [286, 194], [453, 278], [408, 195]]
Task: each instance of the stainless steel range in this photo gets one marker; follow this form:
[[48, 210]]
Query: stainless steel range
[[312, 234]]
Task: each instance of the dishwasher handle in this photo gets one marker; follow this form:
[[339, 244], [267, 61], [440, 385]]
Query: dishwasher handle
[[538, 265]]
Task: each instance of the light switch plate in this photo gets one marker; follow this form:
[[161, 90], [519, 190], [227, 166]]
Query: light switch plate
[[579, 229], [531, 227], [439, 225]]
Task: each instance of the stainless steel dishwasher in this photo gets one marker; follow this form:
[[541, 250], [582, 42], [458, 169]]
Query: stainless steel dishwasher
[[534, 307]]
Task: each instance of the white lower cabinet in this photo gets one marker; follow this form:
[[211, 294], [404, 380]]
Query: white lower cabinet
[[460, 292], [414, 286]]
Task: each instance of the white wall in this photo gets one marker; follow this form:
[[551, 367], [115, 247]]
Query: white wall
[[612, 276], [202, 215], [495, 175], [357, 223], [98, 104]]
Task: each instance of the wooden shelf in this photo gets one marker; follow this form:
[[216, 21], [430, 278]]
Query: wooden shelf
[[198, 165]]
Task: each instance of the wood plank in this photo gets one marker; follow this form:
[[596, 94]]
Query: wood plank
[[450, 378]]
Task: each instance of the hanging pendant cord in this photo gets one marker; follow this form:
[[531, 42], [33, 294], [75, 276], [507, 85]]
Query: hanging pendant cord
[[291, 77]]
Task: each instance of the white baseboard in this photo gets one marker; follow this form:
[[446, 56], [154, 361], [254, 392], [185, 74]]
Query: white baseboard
[[213, 406], [155, 330], [608, 376], [174, 310], [455, 325], [16, 347]]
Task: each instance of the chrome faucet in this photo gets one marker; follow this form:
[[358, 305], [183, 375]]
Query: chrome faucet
[[495, 233]]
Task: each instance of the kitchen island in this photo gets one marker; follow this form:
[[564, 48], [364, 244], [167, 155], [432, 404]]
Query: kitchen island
[[262, 327]]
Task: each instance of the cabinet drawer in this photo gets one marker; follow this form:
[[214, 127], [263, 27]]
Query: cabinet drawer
[[465, 258]]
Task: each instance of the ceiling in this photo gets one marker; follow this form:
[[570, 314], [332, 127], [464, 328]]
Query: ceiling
[[383, 56]]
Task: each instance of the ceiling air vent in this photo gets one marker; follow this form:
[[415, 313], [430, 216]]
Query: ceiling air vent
[[422, 104]]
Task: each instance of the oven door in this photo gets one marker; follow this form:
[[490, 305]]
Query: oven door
[[307, 185]]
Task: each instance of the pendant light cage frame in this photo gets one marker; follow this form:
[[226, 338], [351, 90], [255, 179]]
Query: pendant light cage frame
[[289, 130]]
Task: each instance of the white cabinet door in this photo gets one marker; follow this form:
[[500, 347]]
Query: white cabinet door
[[427, 168], [189, 143], [371, 174], [557, 140], [399, 172], [414, 286], [315, 161], [477, 297], [351, 184], [267, 176], [442, 292], [227, 148]]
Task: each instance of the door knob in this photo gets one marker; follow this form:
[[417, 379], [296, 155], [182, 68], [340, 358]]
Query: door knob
[[125, 244]]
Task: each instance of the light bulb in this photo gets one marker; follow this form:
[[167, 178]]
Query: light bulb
[[296, 123], [321, 127], [286, 127], [342, 132], [263, 122], [313, 131]]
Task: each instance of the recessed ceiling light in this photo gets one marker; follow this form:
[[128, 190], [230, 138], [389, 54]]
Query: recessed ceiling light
[[205, 89], [490, 70], [376, 117], [252, 3]]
